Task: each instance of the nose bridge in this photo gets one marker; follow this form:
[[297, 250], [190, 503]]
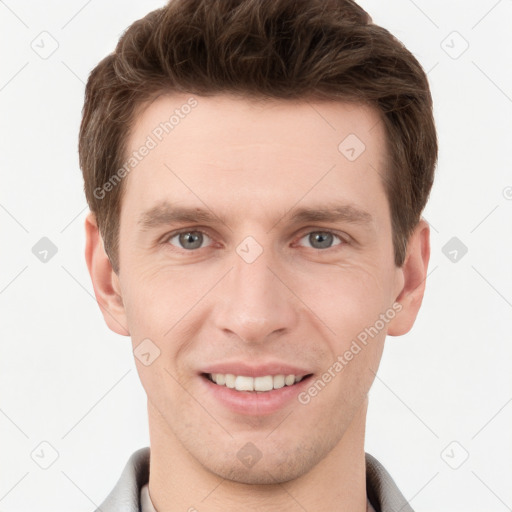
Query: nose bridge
[[255, 302]]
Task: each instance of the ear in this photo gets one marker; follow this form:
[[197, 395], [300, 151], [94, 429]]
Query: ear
[[104, 280], [413, 276]]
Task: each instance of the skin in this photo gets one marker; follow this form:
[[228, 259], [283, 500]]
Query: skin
[[253, 163]]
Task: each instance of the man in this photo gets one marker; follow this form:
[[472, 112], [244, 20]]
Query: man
[[256, 172]]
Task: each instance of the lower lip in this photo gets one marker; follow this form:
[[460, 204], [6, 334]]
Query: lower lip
[[254, 403]]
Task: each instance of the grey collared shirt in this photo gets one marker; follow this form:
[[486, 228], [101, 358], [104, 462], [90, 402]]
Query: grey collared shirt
[[131, 492], [147, 504]]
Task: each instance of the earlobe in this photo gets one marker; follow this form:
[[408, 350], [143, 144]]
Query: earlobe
[[105, 282], [413, 275]]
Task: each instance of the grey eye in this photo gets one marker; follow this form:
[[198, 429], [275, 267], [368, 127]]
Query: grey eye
[[321, 239], [189, 240]]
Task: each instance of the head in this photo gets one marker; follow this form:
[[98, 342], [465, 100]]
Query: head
[[216, 143]]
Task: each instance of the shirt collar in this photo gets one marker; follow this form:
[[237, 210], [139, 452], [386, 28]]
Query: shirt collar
[[131, 492]]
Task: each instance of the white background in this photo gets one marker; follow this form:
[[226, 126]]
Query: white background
[[68, 381]]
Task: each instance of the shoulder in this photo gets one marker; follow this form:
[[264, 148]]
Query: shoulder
[[125, 496], [382, 490]]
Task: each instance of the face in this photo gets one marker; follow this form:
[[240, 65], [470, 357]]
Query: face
[[255, 250]]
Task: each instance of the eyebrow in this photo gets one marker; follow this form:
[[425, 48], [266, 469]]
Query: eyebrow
[[165, 214]]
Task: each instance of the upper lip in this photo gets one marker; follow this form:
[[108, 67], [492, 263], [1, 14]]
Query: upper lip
[[256, 370]]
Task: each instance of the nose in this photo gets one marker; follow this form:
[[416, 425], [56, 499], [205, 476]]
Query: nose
[[256, 302]]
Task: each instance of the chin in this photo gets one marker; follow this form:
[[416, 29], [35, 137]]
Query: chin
[[274, 464]]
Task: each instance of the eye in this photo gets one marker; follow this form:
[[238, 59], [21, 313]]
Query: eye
[[321, 239], [188, 240]]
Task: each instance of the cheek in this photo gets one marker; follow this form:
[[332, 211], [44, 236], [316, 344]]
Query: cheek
[[348, 295], [350, 299], [162, 313], [351, 307], [157, 298]]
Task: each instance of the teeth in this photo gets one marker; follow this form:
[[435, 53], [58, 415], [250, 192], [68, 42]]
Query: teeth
[[279, 381], [230, 380], [244, 383], [289, 380], [264, 383]]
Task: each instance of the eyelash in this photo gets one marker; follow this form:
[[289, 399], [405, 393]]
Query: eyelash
[[343, 239]]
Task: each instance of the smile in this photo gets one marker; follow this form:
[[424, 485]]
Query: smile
[[246, 383]]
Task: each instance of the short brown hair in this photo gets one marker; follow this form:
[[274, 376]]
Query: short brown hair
[[279, 49]]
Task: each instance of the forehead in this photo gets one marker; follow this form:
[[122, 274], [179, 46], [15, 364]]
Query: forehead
[[223, 150], [236, 120]]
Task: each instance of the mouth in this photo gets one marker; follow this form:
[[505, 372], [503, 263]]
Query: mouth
[[254, 390], [260, 384]]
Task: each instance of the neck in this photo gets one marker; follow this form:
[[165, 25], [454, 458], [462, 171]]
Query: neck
[[178, 482]]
